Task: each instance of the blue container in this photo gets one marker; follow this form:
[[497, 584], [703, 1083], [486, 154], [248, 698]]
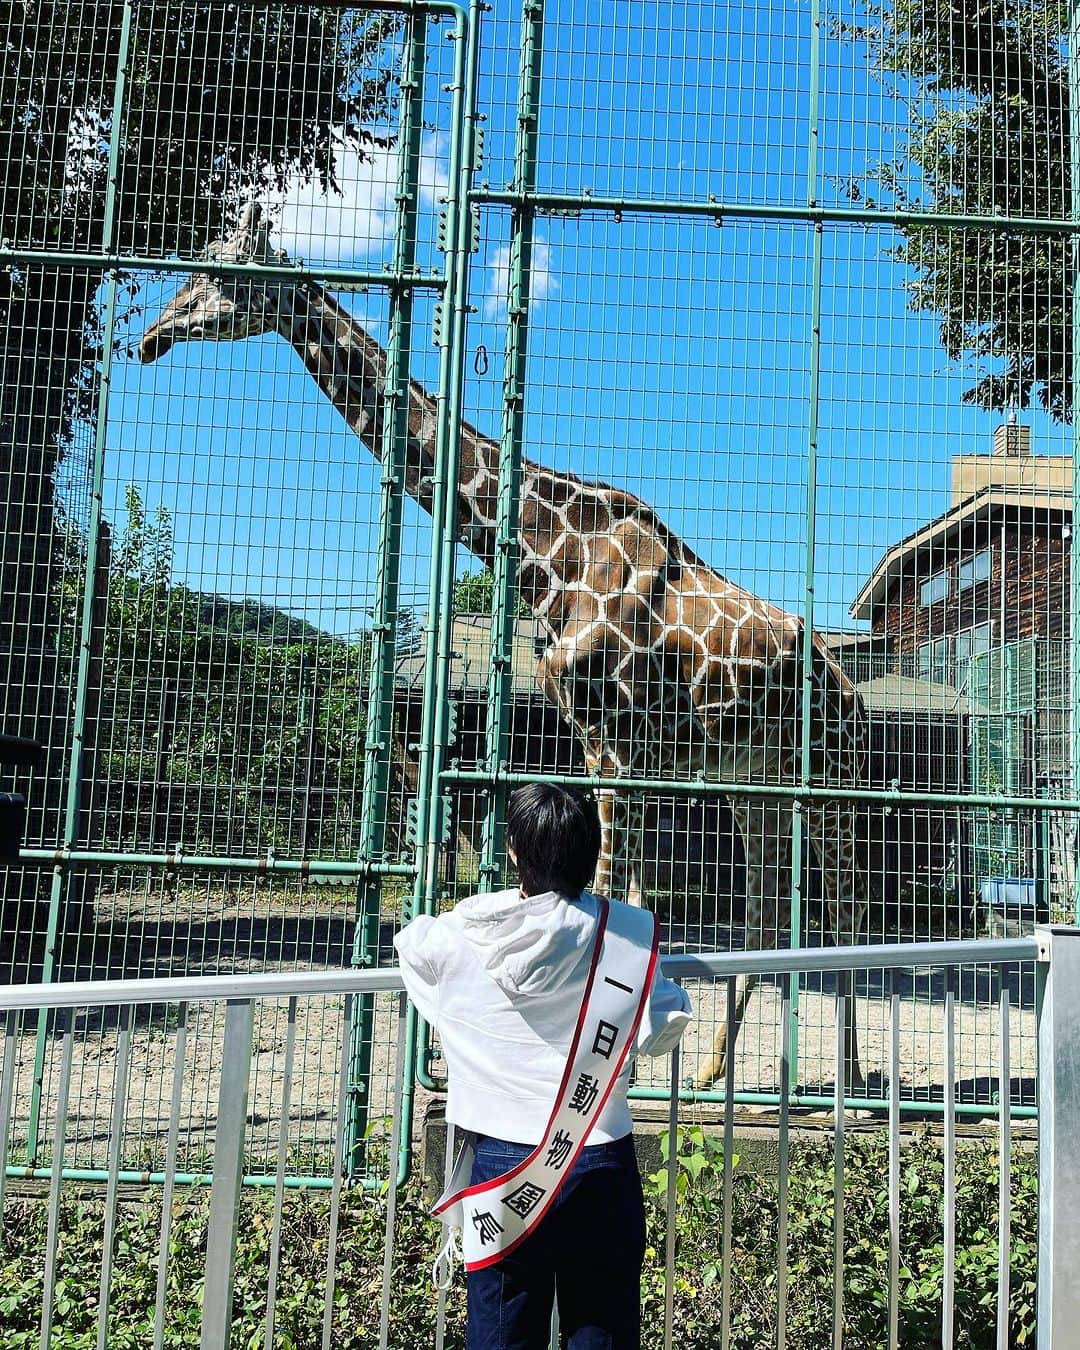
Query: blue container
[[1009, 905], [1008, 892]]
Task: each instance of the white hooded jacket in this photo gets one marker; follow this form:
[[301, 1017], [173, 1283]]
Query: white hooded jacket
[[501, 977]]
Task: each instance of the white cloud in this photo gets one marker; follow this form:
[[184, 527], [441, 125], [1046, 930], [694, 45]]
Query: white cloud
[[354, 224], [543, 281]]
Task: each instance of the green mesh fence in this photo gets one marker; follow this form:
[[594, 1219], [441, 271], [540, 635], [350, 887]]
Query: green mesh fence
[[711, 362]]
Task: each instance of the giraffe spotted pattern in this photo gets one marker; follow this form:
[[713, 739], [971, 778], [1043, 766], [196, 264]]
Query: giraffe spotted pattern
[[663, 667]]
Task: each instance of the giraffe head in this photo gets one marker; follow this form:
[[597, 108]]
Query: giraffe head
[[222, 307]]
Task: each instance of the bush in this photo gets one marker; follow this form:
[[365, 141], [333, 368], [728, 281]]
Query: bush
[[698, 1276], [811, 1266]]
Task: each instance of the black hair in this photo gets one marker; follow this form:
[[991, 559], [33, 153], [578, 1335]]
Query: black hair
[[555, 834]]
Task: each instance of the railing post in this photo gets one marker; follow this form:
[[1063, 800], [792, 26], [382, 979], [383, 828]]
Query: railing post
[[1059, 1136], [229, 1137]]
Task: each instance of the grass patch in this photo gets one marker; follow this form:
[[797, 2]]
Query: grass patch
[[698, 1281]]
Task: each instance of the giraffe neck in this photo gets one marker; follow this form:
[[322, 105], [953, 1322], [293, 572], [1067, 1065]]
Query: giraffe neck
[[349, 367], [556, 509]]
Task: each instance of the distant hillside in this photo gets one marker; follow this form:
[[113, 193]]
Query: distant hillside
[[252, 619]]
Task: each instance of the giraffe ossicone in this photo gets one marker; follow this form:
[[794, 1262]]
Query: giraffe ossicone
[[662, 666]]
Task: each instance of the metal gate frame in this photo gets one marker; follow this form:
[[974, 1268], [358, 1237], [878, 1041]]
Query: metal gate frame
[[525, 202], [464, 208], [401, 280]]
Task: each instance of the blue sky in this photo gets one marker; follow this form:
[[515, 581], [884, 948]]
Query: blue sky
[[668, 355]]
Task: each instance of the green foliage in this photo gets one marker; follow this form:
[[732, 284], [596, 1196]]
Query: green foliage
[[698, 1273], [987, 135], [474, 593], [230, 699], [697, 1155], [811, 1266], [220, 98]]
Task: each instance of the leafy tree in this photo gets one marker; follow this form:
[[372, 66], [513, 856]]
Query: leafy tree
[[221, 97], [474, 593], [210, 710], [988, 135]]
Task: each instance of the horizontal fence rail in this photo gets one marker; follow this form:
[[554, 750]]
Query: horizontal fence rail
[[699, 965], [135, 1016]]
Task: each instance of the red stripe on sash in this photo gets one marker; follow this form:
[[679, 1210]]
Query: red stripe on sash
[[506, 1176], [601, 929]]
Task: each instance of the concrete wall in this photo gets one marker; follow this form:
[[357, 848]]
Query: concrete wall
[[972, 473]]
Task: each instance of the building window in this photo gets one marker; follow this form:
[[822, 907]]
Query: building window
[[968, 644], [937, 660], [980, 638], [963, 656], [935, 588], [973, 570], [941, 660]]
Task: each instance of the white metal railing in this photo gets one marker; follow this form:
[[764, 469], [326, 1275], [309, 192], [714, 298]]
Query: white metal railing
[[1055, 950]]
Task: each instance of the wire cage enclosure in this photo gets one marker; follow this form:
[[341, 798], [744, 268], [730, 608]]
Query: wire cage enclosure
[[402, 404]]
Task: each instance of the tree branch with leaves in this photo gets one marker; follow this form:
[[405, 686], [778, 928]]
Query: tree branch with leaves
[[987, 87]]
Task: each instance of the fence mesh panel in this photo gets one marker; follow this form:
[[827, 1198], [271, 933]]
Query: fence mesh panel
[[711, 362]]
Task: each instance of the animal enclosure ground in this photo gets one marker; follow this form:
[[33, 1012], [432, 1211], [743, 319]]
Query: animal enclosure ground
[[156, 931]]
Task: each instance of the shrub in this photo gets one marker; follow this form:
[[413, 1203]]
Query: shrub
[[698, 1270]]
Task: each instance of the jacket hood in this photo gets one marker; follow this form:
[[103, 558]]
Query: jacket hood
[[529, 945]]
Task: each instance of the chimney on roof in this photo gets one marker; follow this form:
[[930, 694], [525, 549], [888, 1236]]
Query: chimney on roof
[[1012, 439]]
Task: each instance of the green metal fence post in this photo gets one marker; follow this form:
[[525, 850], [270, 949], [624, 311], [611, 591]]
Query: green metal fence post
[[73, 813], [1074, 540], [450, 337], [806, 654], [459, 248], [515, 360], [378, 746]]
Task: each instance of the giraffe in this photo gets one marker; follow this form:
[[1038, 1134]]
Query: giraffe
[[662, 666]]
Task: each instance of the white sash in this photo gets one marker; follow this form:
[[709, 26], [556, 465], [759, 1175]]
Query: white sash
[[497, 1215]]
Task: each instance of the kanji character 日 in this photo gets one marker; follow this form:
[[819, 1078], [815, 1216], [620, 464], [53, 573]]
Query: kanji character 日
[[606, 1036]]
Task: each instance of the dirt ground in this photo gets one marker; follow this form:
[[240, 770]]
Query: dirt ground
[[159, 932]]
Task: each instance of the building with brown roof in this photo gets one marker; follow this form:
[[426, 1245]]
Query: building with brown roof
[[991, 570], [975, 605]]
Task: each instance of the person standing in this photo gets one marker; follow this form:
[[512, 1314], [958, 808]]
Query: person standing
[[542, 996]]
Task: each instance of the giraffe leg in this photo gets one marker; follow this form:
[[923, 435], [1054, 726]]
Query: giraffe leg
[[618, 871], [634, 827], [831, 826], [765, 828], [715, 1067]]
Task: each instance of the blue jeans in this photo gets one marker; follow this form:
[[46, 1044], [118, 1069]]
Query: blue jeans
[[587, 1252]]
